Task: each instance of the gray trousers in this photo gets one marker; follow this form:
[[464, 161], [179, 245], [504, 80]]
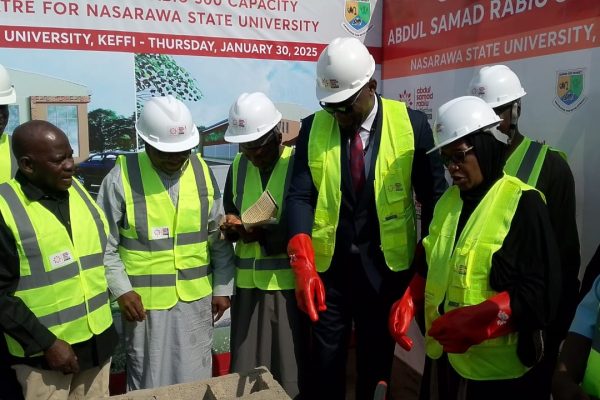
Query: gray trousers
[[268, 329]]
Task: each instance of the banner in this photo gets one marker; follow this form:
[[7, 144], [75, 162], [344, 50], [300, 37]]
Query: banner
[[271, 29], [88, 66], [446, 35], [432, 48]]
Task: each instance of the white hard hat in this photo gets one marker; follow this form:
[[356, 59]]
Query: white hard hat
[[460, 117], [167, 125], [250, 117], [344, 67], [7, 90], [497, 85]]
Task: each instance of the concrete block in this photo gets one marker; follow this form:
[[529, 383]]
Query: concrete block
[[257, 384]]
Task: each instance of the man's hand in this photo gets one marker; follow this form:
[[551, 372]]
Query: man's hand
[[229, 228], [403, 311], [60, 357], [131, 306], [310, 292], [219, 305], [233, 230]]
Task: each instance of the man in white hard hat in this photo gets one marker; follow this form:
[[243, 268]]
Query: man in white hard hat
[[353, 230], [491, 265], [8, 164], [546, 169], [166, 266], [267, 328]]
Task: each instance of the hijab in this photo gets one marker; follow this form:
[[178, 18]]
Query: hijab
[[491, 156]]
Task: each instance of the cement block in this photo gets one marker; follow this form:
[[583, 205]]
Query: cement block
[[257, 384]]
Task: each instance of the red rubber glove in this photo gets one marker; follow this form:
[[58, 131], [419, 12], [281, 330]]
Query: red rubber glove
[[403, 311], [309, 286], [461, 328]]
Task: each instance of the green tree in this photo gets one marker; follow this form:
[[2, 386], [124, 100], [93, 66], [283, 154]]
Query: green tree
[[159, 75], [110, 131]]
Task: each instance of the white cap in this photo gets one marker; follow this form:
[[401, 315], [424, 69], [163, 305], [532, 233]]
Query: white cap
[[8, 95], [250, 117], [167, 125], [460, 117], [496, 85], [344, 67]]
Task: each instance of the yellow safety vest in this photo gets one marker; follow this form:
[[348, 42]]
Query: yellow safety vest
[[591, 378], [527, 159], [165, 249], [253, 268], [458, 274], [8, 164], [392, 184], [61, 279]]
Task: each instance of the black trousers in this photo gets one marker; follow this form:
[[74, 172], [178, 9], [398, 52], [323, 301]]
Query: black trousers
[[10, 389], [351, 302]]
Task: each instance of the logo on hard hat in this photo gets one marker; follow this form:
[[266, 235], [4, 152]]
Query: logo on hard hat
[[478, 91], [178, 130], [241, 123], [330, 83], [570, 87], [357, 16]]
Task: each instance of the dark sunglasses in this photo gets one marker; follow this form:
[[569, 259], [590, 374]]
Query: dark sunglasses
[[345, 107], [456, 158]]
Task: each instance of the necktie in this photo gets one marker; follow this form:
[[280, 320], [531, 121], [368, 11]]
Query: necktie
[[357, 162]]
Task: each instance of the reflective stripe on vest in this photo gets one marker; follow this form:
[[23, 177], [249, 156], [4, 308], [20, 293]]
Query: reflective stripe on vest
[[458, 274], [165, 250], [8, 164], [591, 378], [527, 159], [392, 186], [61, 280], [253, 268]]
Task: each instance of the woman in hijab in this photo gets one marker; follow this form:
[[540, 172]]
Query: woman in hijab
[[491, 265]]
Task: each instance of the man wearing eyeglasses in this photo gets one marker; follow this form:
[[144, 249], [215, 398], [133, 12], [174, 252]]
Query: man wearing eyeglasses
[[547, 170], [165, 264], [266, 326], [353, 230]]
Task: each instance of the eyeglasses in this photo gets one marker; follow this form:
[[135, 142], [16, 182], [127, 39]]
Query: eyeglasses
[[456, 158], [346, 107]]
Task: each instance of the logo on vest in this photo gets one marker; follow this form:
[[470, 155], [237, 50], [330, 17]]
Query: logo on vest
[[160, 233], [61, 259], [461, 269]]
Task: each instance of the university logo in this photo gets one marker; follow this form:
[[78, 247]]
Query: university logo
[[570, 87], [357, 16]]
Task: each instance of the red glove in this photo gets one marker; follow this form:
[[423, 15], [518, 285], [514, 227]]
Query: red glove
[[308, 284], [403, 311], [459, 329]]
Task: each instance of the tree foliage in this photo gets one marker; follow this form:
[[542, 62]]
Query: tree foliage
[[159, 75], [110, 131]]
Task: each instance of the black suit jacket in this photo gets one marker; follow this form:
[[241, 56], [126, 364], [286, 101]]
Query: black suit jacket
[[358, 225]]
